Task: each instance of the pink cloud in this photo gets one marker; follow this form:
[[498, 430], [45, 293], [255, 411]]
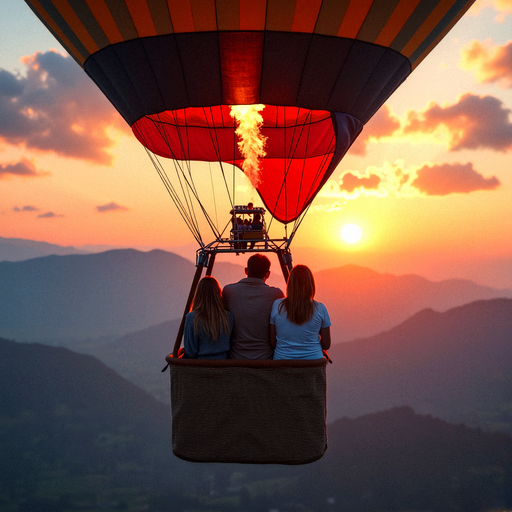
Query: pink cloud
[[474, 122], [57, 108], [49, 215], [441, 180], [383, 124], [490, 64], [350, 182], [27, 208], [24, 168], [110, 207]]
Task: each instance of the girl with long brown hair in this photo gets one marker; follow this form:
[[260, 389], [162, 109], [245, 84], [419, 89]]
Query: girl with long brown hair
[[208, 326], [299, 325]]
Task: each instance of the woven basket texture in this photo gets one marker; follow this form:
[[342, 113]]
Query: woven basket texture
[[260, 412]]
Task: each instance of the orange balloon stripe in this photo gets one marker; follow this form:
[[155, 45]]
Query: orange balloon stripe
[[181, 15], [331, 16], [102, 14], [203, 12], [161, 17], [228, 16], [354, 18], [427, 27], [396, 21], [57, 32], [280, 15], [253, 14], [70, 17], [141, 17], [306, 14], [441, 35]]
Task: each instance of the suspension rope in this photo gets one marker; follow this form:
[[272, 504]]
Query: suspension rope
[[187, 183], [215, 143], [213, 193], [183, 189]]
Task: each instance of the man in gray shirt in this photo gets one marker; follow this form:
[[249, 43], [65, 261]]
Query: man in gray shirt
[[250, 301]]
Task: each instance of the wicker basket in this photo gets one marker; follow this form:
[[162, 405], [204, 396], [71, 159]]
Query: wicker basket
[[248, 411]]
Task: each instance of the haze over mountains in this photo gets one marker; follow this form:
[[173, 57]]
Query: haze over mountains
[[76, 436], [65, 299], [455, 365], [19, 249]]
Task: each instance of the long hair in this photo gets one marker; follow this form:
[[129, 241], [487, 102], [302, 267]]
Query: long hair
[[300, 292], [211, 315]]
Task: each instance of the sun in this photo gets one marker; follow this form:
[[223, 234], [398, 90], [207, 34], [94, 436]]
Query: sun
[[351, 233]]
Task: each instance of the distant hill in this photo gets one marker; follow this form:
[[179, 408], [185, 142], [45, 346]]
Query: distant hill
[[65, 299], [399, 460], [75, 435], [72, 428], [363, 302], [456, 365], [139, 357], [19, 249], [73, 297]]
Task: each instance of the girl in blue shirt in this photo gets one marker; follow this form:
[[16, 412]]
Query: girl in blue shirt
[[299, 325], [208, 326]]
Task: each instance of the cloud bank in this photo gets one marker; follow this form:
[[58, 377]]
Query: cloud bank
[[49, 215], [429, 180], [110, 207], [474, 122], [441, 180], [24, 168], [490, 63], [27, 208], [56, 107], [383, 124]]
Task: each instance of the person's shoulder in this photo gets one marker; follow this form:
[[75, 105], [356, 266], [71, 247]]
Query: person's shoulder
[[276, 292], [321, 308], [190, 316], [230, 286]]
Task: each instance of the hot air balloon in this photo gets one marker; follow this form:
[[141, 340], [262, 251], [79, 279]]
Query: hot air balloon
[[319, 68]]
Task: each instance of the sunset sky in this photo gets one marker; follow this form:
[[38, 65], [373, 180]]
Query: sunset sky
[[429, 181]]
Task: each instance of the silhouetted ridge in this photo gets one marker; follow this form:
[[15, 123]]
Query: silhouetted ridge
[[79, 296], [456, 365], [76, 436], [40, 378]]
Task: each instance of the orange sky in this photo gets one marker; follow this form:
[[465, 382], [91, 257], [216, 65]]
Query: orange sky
[[429, 181]]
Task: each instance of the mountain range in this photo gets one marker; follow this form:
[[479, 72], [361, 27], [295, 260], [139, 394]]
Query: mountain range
[[65, 299], [75, 435], [19, 249], [455, 365]]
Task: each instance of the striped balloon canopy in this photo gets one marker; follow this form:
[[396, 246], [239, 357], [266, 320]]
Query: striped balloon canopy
[[322, 68]]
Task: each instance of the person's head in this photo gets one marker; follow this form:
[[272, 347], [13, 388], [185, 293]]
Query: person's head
[[300, 292], [250, 206], [211, 314], [258, 266], [246, 222], [257, 216], [208, 292], [239, 220], [301, 283]]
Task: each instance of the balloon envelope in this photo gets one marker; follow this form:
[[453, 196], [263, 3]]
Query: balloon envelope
[[322, 68]]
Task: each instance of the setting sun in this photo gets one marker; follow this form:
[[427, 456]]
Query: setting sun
[[351, 233]]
